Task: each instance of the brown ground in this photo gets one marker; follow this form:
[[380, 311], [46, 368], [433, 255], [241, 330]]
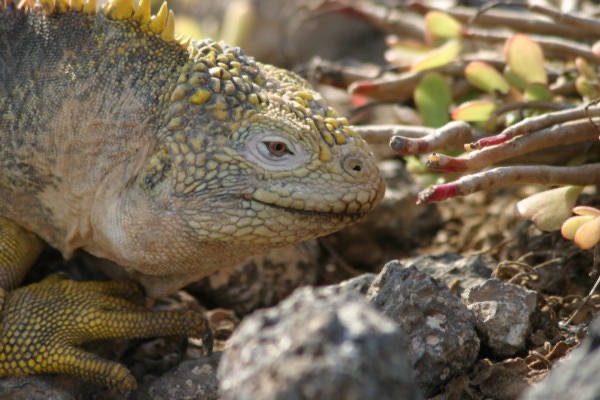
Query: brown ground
[[555, 268]]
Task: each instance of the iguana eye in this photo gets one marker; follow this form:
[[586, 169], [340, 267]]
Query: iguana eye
[[275, 151], [278, 149]]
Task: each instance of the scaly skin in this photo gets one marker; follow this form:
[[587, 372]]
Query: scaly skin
[[170, 160]]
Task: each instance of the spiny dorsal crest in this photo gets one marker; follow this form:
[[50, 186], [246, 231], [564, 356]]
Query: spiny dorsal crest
[[207, 56], [162, 24]]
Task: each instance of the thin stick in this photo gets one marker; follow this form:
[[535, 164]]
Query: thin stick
[[587, 298]]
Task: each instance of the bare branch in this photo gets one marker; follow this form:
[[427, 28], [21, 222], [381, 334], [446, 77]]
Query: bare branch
[[400, 87], [583, 175], [580, 23], [379, 134], [387, 19], [396, 88], [554, 47], [450, 134], [533, 124], [521, 21], [559, 135], [336, 74], [530, 105]]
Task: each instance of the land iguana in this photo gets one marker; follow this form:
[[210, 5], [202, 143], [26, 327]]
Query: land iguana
[[167, 157]]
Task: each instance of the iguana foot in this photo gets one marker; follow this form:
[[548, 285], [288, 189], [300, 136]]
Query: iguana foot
[[41, 325]]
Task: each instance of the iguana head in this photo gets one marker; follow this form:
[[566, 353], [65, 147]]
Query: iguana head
[[252, 158], [246, 157], [255, 148]]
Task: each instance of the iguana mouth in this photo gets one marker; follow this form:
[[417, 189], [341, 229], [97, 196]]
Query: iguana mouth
[[313, 213]]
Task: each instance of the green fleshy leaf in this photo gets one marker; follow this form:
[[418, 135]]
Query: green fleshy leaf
[[596, 49], [570, 226], [414, 165], [433, 98], [404, 53], [512, 117], [587, 210], [588, 234], [474, 111], [485, 77], [441, 25], [439, 56], [537, 92], [525, 58], [587, 88], [549, 209], [585, 69], [514, 79]]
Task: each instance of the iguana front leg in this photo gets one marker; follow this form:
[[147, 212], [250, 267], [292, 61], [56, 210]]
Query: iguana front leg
[[42, 323], [18, 250]]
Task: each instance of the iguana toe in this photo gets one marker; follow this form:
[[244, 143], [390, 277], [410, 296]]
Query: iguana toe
[[44, 322]]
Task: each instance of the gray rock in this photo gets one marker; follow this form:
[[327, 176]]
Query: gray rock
[[317, 344], [503, 313], [191, 380], [457, 272], [576, 377], [443, 340], [37, 388], [358, 285]]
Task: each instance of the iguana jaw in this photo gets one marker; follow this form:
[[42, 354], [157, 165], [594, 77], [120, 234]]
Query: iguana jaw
[[352, 206]]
